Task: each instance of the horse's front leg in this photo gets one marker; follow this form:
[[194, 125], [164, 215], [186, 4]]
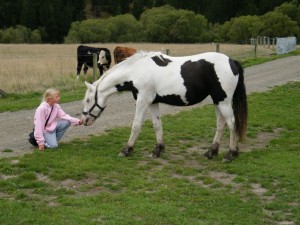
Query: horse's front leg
[[160, 146], [140, 111]]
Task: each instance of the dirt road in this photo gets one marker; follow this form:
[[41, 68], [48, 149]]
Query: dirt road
[[15, 126]]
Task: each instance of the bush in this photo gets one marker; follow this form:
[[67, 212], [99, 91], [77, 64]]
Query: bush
[[166, 24], [20, 34], [241, 29], [121, 28]]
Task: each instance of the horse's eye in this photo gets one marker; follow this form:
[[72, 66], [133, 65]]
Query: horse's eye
[[88, 100]]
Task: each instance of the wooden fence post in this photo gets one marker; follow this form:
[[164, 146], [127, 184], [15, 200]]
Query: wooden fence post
[[94, 65], [217, 47], [167, 51]]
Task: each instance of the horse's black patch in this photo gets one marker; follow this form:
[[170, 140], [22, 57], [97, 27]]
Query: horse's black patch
[[128, 86], [160, 60], [233, 67], [201, 80], [169, 99]]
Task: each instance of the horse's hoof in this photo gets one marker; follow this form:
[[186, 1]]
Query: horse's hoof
[[121, 154], [159, 148], [230, 156], [154, 156], [227, 160], [210, 154], [127, 151], [213, 151]]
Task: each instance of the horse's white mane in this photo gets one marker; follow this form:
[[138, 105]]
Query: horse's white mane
[[140, 55], [129, 61]]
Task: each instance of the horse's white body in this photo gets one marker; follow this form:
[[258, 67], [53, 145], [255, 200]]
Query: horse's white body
[[154, 78]]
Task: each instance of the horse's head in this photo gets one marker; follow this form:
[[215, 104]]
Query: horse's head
[[93, 105]]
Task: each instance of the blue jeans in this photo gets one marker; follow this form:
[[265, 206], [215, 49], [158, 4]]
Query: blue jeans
[[52, 138]]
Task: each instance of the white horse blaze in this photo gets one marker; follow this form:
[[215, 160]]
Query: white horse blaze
[[156, 78]]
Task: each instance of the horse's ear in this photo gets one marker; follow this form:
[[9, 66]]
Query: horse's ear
[[89, 86]]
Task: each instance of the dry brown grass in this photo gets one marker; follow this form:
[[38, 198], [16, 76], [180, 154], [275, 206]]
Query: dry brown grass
[[33, 68]]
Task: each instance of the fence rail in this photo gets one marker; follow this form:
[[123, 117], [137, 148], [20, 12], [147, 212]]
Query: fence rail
[[264, 42]]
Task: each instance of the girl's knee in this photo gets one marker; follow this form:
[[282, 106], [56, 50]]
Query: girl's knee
[[65, 123]]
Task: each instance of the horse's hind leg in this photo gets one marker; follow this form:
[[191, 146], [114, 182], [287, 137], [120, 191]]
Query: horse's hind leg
[[221, 123], [227, 112], [160, 146]]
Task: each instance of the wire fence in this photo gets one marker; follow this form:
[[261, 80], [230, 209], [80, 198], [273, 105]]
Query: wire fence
[[30, 68]]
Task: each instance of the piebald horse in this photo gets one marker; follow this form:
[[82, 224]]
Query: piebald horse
[[155, 78]]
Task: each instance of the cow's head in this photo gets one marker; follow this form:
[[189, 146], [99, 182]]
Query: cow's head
[[102, 58]]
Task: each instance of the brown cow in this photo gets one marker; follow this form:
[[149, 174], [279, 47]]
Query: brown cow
[[121, 53]]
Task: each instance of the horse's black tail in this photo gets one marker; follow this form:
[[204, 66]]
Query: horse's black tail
[[239, 104]]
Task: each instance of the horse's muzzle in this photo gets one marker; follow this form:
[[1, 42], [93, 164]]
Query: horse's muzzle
[[87, 120]]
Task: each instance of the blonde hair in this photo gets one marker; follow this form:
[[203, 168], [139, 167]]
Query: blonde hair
[[49, 93]]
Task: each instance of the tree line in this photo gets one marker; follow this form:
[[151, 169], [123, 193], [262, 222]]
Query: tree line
[[177, 21]]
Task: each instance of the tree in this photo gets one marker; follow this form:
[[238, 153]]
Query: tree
[[35, 37], [20, 34], [276, 24], [10, 11], [63, 18], [166, 24], [87, 31], [241, 29], [29, 14], [290, 9], [265, 6], [219, 11], [124, 28], [47, 20], [53, 18]]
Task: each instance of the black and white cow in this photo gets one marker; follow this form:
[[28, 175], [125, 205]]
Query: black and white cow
[[85, 57]]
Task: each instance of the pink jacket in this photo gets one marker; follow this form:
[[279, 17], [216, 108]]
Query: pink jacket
[[41, 115]]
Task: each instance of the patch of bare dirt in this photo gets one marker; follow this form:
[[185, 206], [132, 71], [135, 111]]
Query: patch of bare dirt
[[261, 141]]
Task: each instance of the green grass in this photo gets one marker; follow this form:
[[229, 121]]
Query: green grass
[[259, 60], [15, 102], [86, 182]]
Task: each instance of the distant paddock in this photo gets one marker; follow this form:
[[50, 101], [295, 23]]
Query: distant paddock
[[33, 68]]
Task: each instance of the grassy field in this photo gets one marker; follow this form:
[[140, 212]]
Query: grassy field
[[85, 182], [34, 68]]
